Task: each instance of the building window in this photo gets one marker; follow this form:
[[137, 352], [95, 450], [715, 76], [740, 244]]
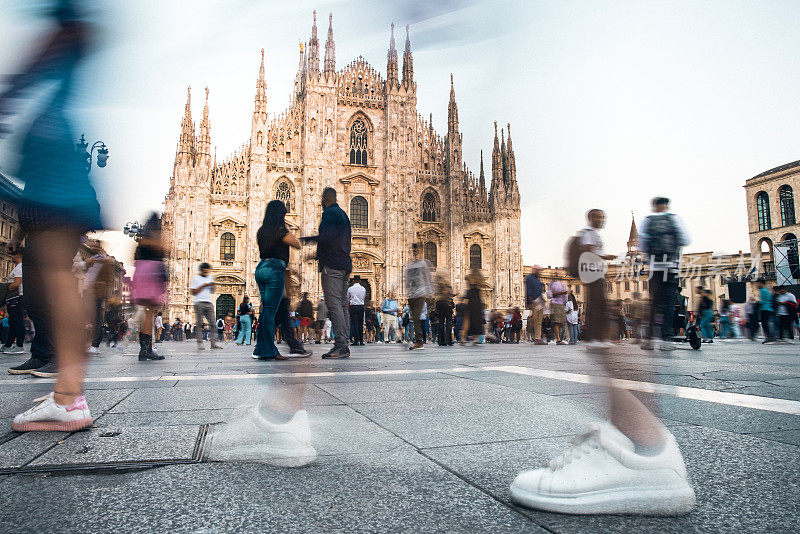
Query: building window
[[227, 247], [359, 212], [627, 286], [762, 207], [358, 143], [644, 284], [430, 252], [475, 257], [787, 205], [429, 207], [284, 194]]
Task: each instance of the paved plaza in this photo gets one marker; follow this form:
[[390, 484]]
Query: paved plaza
[[408, 441]]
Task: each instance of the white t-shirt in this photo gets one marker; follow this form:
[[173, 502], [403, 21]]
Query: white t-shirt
[[15, 273], [572, 313], [159, 322], [589, 236], [356, 294], [207, 293]]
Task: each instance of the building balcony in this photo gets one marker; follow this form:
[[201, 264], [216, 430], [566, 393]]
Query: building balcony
[[768, 270]]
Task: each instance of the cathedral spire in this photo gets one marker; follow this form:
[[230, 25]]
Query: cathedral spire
[[330, 48], [204, 139], [482, 177], [512, 164], [187, 139], [261, 89], [408, 63], [301, 71], [497, 161], [391, 62], [313, 48], [452, 112], [504, 157], [259, 124], [633, 237]]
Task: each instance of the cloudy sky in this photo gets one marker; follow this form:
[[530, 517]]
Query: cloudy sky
[[610, 102]]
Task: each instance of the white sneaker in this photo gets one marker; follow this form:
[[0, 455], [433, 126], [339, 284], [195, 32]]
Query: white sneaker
[[255, 438], [666, 346], [49, 416], [601, 474], [93, 350], [13, 350]]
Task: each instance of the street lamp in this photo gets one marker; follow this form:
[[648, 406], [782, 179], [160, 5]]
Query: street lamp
[[133, 229], [102, 152]]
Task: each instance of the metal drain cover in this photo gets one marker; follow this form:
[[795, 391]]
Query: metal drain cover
[[102, 449]]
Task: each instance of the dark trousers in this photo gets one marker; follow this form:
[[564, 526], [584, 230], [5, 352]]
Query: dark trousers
[[596, 313], [357, 320], [416, 305], [16, 328], [458, 324], [98, 322], [446, 331], [766, 324], [38, 261], [785, 325], [663, 291], [283, 320]]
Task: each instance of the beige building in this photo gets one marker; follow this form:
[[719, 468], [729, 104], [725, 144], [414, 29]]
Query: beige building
[[771, 216], [399, 180]]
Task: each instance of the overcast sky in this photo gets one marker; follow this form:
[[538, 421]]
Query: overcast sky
[[610, 103]]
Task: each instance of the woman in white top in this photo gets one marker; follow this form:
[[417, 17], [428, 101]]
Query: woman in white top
[[571, 310]]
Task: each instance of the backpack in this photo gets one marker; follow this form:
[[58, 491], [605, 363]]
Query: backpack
[[572, 254], [662, 237]]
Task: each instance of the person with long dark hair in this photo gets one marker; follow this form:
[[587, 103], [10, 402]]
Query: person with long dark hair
[[274, 240]]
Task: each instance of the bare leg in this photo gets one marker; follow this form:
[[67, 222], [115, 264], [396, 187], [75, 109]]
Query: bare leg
[[68, 316]]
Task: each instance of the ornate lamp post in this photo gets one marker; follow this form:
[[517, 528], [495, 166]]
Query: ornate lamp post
[[102, 152], [133, 229]]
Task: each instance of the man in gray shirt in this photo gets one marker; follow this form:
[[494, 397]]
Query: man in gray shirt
[[418, 288]]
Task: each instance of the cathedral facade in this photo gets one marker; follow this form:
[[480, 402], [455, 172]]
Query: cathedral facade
[[399, 180]]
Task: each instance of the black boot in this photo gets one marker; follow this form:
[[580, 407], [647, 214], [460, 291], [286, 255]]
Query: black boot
[[146, 341], [143, 347]]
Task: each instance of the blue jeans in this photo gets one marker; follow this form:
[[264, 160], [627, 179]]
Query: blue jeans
[[725, 325], [705, 324], [245, 330], [270, 280], [573, 333]]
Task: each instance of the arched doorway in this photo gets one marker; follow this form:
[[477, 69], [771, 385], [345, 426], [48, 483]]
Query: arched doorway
[[226, 304], [368, 287]]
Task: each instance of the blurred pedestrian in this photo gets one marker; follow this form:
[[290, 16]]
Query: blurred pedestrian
[[149, 283], [661, 237], [418, 288], [57, 206], [571, 311], [389, 309], [245, 322], [356, 294], [335, 264], [15, 327], [472, 330], [534, 300], [202, 288]]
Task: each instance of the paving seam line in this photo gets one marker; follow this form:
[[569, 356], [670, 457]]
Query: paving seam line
[[444, 467]]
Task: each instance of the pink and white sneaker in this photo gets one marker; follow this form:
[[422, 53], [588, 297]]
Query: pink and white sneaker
[[46, 415]]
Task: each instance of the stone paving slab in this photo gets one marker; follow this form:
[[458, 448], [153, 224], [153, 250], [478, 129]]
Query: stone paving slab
[[742, 484], [397, 492]]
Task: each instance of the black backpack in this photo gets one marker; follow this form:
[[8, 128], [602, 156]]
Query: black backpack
[[662, 237], [572, 254]]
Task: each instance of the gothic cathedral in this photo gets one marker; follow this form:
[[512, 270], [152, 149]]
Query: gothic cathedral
[[399, 181]]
